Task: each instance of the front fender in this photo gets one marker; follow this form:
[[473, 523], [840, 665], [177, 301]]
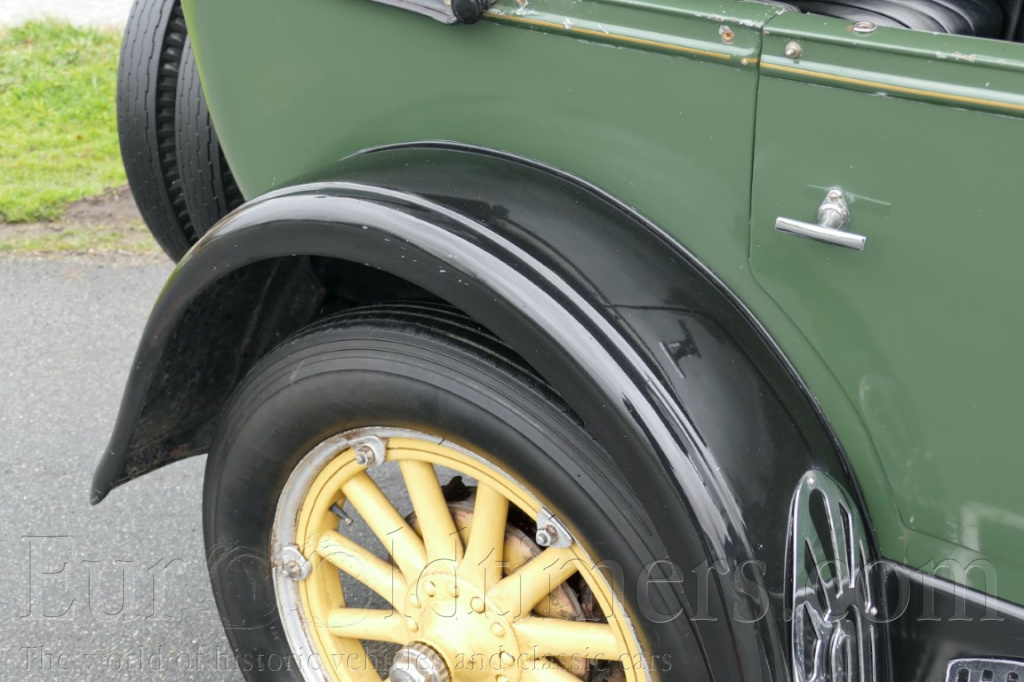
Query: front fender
[[667, 370]]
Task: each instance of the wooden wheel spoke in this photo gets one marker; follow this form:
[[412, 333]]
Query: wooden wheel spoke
[[387, 524], [557, 637], [483, 561], [372, 624], [364, 566], [435, 519], [534, 580]]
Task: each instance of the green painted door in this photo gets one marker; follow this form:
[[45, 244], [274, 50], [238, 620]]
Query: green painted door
[[923, 329]]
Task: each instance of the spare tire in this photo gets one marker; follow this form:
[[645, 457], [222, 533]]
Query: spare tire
[[149, 94], [207, 184]]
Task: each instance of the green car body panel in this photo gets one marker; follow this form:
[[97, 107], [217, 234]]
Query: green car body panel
[[909, 347]]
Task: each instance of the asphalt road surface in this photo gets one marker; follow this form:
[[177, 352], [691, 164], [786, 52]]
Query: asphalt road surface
[[113, 592], [119, 591]]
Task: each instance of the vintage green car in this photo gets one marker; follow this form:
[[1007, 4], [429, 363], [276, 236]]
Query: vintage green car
[[513, 365]]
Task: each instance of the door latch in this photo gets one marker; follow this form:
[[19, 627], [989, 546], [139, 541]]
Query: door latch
[[833, 217]]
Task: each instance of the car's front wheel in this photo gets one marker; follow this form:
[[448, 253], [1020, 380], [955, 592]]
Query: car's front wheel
[[393, 494]]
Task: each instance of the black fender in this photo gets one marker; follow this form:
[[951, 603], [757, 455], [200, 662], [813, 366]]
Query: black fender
[[679, 383]]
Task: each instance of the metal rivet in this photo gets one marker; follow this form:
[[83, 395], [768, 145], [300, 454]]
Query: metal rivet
[[415, 601], [501, 678], [727, 35], [430, 588], [453, 590], [412, 625], [507, 660], [497, 629], [864, 27], [477, 604], [793, 49]]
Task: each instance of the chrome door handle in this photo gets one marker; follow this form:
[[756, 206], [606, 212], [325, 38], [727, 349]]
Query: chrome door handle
[[833, 217]]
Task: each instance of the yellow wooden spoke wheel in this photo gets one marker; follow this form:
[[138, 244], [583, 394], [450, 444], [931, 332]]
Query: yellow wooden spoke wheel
[[480, 582]]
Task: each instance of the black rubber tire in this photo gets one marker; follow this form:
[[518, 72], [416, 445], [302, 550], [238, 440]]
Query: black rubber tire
[[206, 181], [428, 368], [147, 94]]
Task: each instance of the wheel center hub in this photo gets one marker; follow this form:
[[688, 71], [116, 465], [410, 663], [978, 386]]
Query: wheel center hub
[[465, 628], [419, 662]]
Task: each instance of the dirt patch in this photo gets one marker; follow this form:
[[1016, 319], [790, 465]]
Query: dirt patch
[[114, 208], [106, 223]]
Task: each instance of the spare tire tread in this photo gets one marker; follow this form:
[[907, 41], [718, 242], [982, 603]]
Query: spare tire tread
[[147, 93], [208, 186]]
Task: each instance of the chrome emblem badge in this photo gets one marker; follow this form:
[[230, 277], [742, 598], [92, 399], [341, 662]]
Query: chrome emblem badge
[[835, 618]]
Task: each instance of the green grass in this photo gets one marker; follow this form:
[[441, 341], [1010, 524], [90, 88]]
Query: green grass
[[81, 239], [58, 127]]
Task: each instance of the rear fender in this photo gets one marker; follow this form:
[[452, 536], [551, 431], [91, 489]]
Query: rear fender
[[668, 371]]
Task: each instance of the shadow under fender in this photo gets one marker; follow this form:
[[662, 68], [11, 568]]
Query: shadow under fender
[[667, 370]]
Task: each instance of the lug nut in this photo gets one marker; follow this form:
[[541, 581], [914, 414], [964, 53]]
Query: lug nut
[[547, 535], [369, 451], [364, 455], [294, 565]]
